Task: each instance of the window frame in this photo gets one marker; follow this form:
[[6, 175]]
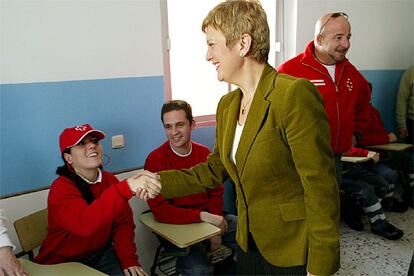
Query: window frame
[[210, 119]]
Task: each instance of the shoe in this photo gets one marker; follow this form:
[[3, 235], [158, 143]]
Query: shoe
[[219, 254], [391, 204], [388, 231], [354, 222]]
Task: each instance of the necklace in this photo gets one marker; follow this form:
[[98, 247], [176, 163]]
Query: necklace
[[244, 106]]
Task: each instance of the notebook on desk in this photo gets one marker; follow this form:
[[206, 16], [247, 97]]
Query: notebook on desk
[[354, 159]]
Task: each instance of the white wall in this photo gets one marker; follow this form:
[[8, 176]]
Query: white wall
[[61, 40], [382, 30], [77, 40], [19, 206]]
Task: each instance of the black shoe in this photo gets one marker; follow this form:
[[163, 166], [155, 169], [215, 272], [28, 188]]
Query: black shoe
[[408, 196], [354, 222], [351, 212], [388, 231], [391, 204], [225, 267]]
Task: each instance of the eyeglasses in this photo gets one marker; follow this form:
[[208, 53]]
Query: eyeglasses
[[333, 15]]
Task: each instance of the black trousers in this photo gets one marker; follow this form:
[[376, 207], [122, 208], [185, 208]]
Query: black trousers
[[253, 263]]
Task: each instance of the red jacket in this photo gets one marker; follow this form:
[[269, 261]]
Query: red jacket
[[374, 132], [77, 230], [345, 100], [186, 209]]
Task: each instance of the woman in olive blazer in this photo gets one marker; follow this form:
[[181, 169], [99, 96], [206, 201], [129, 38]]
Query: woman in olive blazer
[[272, 139]]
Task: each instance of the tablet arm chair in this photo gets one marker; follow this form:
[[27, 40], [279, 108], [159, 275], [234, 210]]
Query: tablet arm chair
[[31, 231]]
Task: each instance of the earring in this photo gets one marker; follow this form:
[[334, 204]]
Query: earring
[[241, 54]]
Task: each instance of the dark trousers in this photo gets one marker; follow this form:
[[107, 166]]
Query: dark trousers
[[410, 138], [105, 260], [194, 259], [398, 160], [253, 263]]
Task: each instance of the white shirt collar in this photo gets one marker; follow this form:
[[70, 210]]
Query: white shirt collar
[[98, 179], [182, 155]]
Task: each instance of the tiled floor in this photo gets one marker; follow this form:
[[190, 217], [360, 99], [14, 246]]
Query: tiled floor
[[363, 253]]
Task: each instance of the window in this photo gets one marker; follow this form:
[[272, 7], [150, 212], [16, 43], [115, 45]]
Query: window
[[189, 76]]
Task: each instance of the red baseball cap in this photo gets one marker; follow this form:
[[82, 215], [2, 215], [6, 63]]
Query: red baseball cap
[[70, 137]]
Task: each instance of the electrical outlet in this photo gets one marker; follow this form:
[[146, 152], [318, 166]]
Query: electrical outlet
[[118, 141]]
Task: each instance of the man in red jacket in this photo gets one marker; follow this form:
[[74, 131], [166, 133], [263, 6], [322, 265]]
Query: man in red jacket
[[180, 152], [345, 92]]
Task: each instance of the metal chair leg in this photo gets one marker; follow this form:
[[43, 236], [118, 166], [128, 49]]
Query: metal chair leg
[[154, 264]]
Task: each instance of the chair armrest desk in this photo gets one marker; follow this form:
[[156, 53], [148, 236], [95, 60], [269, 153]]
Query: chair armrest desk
[[182, 235], [71, 268], [391, 147]]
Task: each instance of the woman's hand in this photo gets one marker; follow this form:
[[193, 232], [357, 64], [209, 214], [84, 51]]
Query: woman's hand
[[134, 270]]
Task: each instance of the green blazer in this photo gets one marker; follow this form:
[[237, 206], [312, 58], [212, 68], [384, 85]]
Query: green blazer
[[284, 175]]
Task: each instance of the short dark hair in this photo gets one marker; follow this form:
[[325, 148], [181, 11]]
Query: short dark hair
[[177, 105]]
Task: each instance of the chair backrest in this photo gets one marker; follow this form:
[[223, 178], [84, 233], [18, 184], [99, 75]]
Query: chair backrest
[[31, 231]]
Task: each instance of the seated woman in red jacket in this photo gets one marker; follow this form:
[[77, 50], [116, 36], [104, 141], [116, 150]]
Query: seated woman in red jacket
[[90, 220]]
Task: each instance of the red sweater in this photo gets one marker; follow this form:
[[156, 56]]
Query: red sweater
[[186, 209], [357, 152], [346, 99], [76, 230], [374, 132]]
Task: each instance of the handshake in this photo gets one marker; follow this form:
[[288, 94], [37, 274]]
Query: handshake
[[145, 185]]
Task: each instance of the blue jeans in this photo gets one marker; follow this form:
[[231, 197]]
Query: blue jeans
[[196, 262]]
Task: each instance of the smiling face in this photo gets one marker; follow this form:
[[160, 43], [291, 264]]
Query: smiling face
[[86, 156], [178, 130], [333, 43], [226, 60]]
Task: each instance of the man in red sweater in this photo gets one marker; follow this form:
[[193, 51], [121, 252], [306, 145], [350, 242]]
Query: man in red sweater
[[180, 152]]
